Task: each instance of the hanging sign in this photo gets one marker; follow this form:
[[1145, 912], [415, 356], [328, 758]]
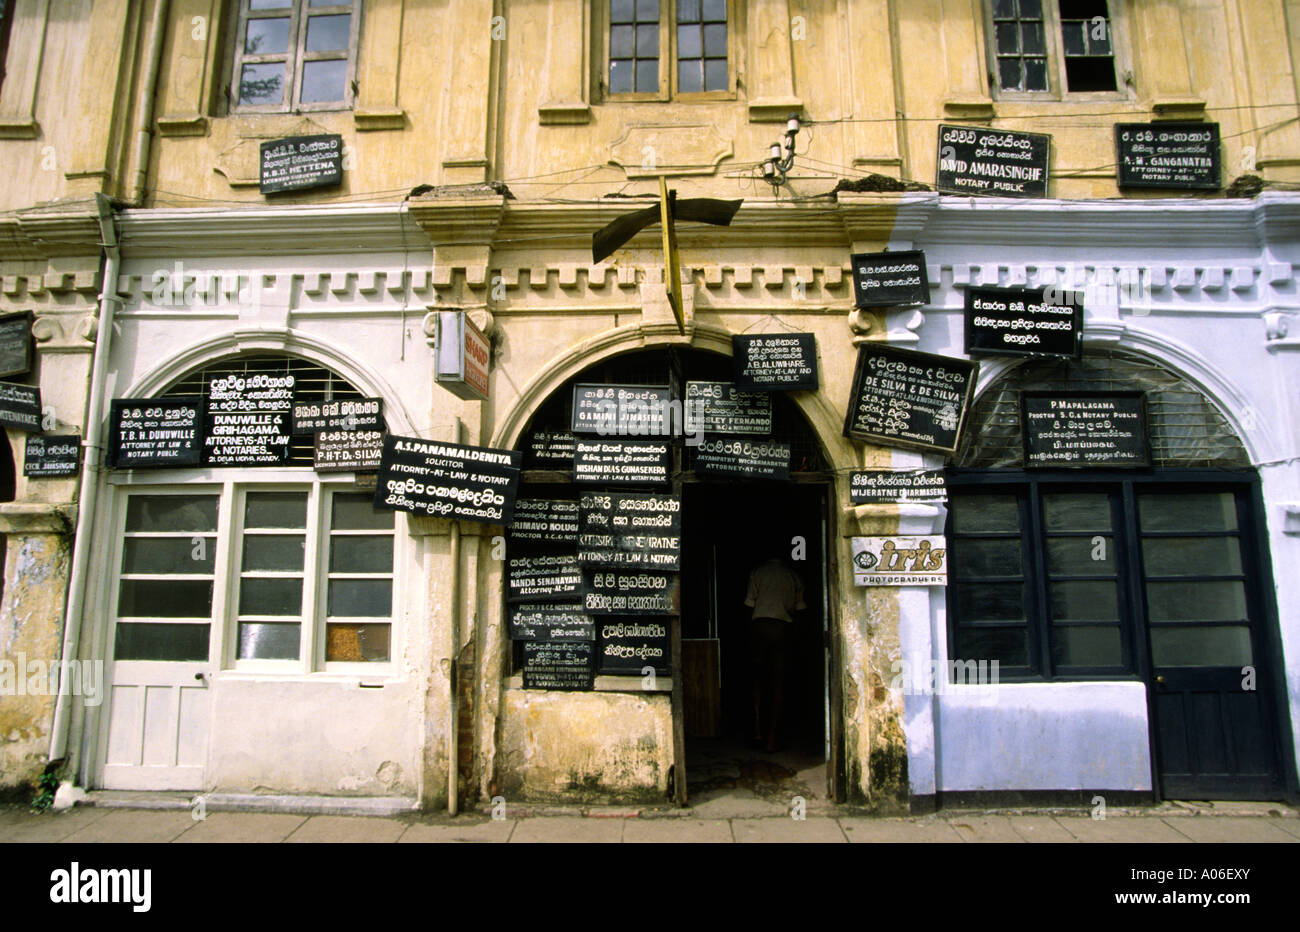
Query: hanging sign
[[629, 592], [297, 163], [1084, 429], [15, 344], [347, 450], [775, 362], [900, 561], [625, 646], [1023, 322], [463, 358], [560, 665], [247, 421], [884, 485], [904, 398], [720, 408], [20, 406], [311, 417], [545, 521], [153, 432], [890, 279], [638, 529], [550, 621], [979, 160], [543, 578], [763, 459], [622, 410], [550, 449], [428, 477], [621, 462], [1168, 155], [49, 456]]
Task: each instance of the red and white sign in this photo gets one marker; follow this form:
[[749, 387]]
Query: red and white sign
[[463, 357]]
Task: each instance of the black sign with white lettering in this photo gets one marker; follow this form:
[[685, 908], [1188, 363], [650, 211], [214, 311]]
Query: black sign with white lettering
[[559, 665], [1023, 322], [543, 578], [247, 420], [311, 417], [151, 432], [621, 462], [50, 456], [629, 592], [347, 450], [890, 279], [621, 410], [630, 530], [775, 362], [15, 344], [550, 621], [904, 398], [884, 485], [301, 162], [979, 160], [721, 408], [765, 459], [20, 406], [545, 521], [626, 646], [448, 480], [550, 449], [1168, 155], [1085, 429]]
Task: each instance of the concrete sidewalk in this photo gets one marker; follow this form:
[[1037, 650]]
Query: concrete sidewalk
[[1171, 822]]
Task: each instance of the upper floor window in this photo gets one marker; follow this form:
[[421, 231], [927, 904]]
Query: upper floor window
[[666, 48], [294, 55], [1052, 47], [6, 20]]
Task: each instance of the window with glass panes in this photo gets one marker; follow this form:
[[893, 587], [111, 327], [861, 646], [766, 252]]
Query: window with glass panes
[[294, 55], [1041, 46], [656, 46]]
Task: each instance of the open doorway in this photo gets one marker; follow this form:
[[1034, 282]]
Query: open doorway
[[728, 529]]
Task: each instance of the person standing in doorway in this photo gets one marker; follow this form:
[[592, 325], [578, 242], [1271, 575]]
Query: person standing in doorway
[[775, 594]]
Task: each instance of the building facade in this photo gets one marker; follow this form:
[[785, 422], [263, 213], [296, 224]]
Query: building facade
[[264, 629]]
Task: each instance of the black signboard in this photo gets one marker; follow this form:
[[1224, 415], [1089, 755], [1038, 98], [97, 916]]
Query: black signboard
[[884, 485], [1168, 155], [247, 420], [622, 410], [1084, 429], [630, 530], [775, 362], [550, 621], [543, 578], [300, 162], [890, 279], [559, 665], [629, 592], [545, 521], [347, 450], [428, 477], [1022, 322], [721, 408], [629, 645], [311, 417], [15, 344], [20, 406], [550, 449], [621, 462], [153, 432], [904, 398], [52, 455], [764, 459], [979, 160]]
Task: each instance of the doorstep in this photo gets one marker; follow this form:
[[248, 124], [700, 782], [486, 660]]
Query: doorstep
[[382, 806]]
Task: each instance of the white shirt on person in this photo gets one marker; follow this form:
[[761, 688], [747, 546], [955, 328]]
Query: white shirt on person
[[775, 591]]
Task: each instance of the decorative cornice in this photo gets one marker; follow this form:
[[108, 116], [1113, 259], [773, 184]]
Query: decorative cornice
[[25, 518]]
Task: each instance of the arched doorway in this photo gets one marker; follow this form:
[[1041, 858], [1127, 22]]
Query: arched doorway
[[727, 522], [1159, 574]]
